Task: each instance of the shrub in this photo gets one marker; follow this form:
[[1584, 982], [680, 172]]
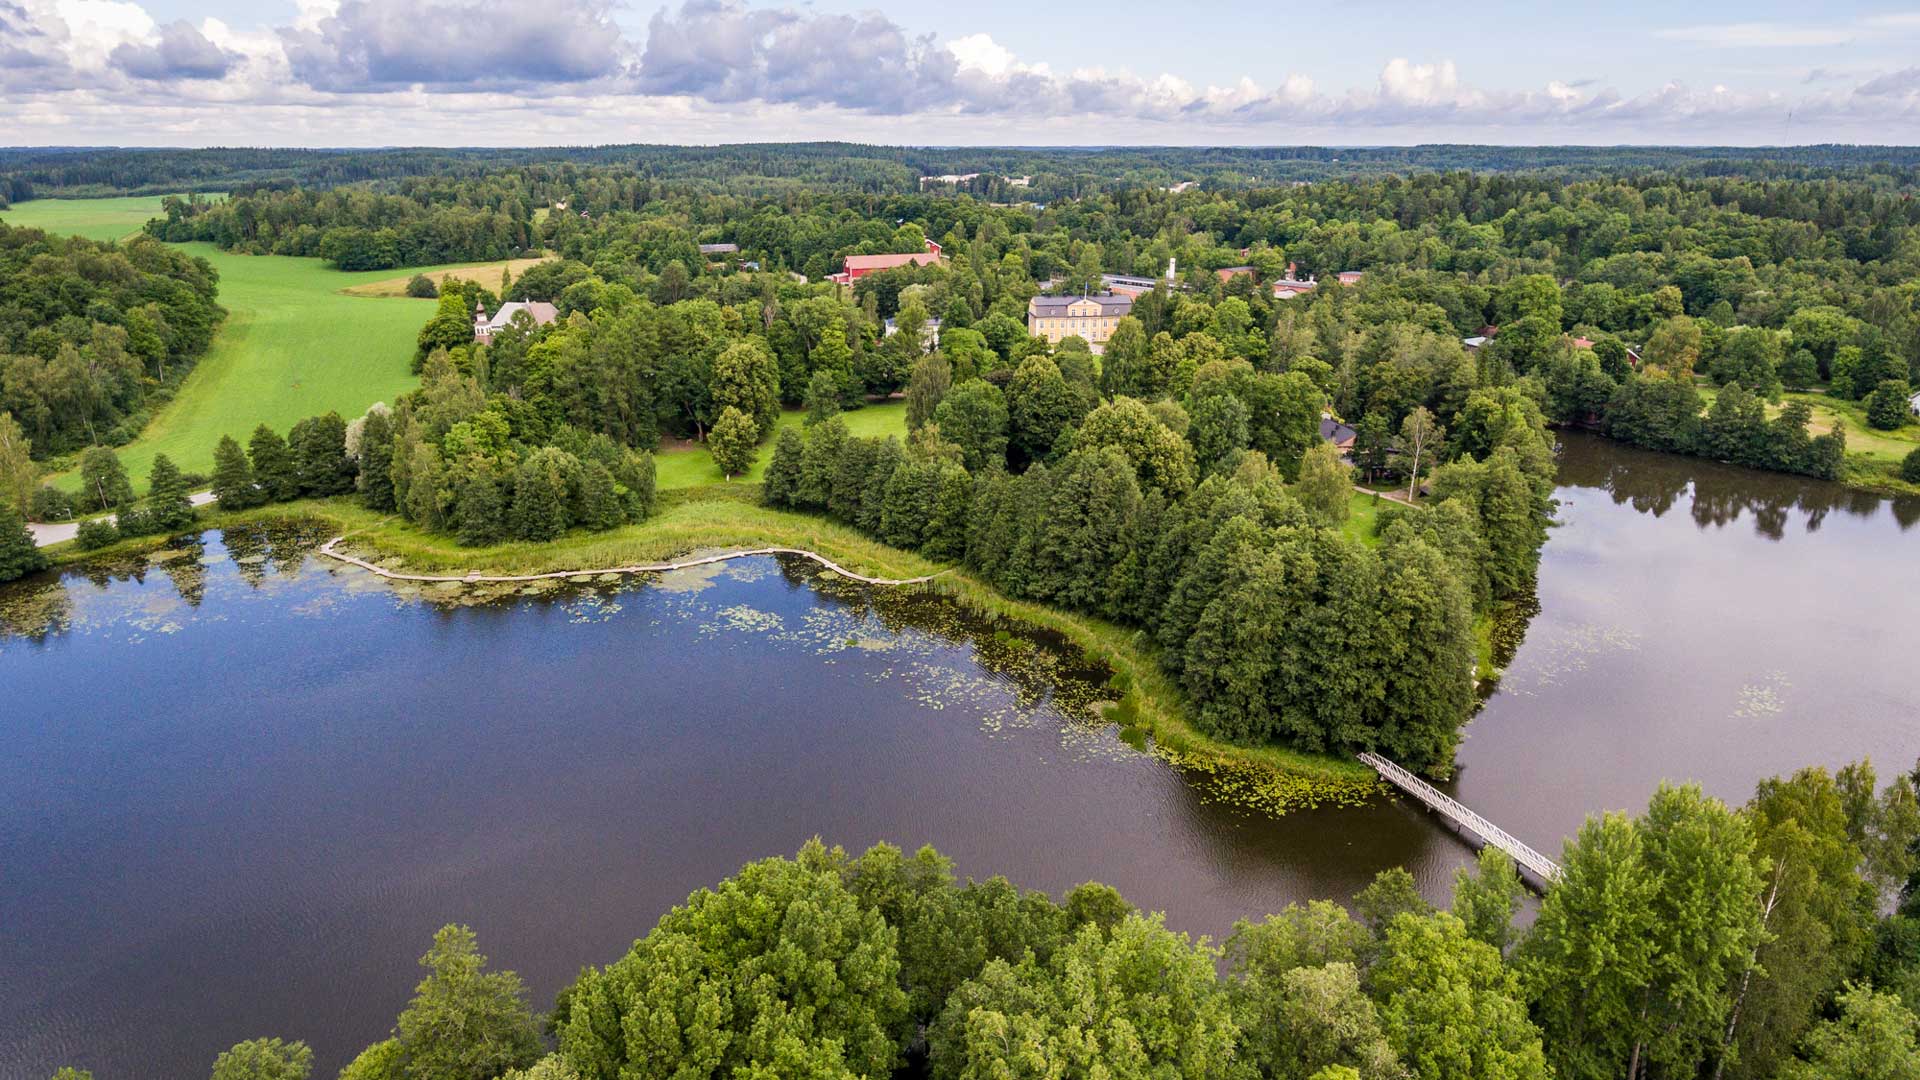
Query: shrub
[[420, 286], [1910, 468], [1888, 407], [51, 504], [96, 534]]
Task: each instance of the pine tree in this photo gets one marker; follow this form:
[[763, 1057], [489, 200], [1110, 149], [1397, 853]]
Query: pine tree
[[480, 516], [822, 400], [320, 463], [539, 498], [784, 472], [168, 507], [1512, 529], [599, 502], [18, 553], [376, 461], [272, 466], [233, 487], [635, 474]]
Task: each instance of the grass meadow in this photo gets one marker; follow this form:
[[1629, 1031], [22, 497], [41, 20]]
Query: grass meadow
[[95, 219], [686, 464]]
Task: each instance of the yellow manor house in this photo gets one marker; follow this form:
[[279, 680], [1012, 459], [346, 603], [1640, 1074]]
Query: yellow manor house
[[1091, 317]]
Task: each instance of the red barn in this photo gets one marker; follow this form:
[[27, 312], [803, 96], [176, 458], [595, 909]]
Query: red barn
[[859, 266]]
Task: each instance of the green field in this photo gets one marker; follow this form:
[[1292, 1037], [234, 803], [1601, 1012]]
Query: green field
[[295, 345], [292, 347], [682, 466], [95, 219]]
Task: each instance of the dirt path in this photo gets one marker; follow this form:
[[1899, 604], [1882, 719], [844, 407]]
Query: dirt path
[[62, 531], [476, 577]]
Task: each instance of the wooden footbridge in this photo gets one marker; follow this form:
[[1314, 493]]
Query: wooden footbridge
[[1541, 870]]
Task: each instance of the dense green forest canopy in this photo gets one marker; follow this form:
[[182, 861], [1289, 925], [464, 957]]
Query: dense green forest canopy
[[1694, 939], [744, 168]]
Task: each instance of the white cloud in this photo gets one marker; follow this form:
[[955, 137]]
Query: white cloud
[[97, 27], [983, 54], [347, 72]]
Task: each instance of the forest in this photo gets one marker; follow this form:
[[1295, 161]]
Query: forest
[[1617, 294], [1693, 939], [92, 335]]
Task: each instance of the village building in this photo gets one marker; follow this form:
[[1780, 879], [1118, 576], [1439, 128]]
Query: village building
[[1289, 287], [1349, 277], [484, 328], [859, 266], [1228, 273], [1337, 433], [1091, 318], [929, 333], [719, 249]]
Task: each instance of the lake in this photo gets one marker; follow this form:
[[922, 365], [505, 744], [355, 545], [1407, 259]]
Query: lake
[[243, 785]]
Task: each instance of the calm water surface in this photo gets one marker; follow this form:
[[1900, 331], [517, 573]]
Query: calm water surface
[[241, 788]]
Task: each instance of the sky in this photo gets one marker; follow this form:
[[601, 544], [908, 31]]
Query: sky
[[984, 72]]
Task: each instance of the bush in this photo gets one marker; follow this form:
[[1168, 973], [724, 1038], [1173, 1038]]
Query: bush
[[51, 504], [1888, 406], [96, 534], [135, 521], [1910, 468], [420, 286]]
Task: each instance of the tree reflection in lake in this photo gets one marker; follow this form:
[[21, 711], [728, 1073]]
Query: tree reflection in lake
[[1717, 495]]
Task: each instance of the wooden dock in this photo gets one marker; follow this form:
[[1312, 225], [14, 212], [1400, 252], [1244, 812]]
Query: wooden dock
[[1542, 870]]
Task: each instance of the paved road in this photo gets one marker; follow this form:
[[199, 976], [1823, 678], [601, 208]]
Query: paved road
[[64, 531]]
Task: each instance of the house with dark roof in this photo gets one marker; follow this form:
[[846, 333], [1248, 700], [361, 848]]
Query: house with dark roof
[[1337, 433]]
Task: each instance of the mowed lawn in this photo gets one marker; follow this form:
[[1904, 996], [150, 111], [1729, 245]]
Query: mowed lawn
[[95, 219], [1864, 440], [680, 466]]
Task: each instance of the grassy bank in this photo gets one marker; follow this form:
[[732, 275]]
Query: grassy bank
[[1261, 778], [1873, 456]]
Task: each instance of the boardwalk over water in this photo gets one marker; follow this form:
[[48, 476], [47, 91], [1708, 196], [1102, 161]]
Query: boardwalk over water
[[1544, 871]]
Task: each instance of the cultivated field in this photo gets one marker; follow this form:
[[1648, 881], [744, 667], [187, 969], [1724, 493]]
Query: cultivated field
[[487, 274]]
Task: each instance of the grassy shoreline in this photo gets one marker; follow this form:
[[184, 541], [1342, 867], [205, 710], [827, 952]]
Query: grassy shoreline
[[1266, 779]]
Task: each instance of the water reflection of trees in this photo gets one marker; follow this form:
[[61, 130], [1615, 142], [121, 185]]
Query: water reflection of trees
[[39, 607], [1654, 483], [1038, 664]]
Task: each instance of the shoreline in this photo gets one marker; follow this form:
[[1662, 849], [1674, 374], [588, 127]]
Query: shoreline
[[1268, 780]]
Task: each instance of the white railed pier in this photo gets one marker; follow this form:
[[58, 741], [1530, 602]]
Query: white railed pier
[[1540, 869]]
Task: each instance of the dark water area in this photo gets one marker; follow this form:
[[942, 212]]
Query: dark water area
[[1699, 622], [242, 786]]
